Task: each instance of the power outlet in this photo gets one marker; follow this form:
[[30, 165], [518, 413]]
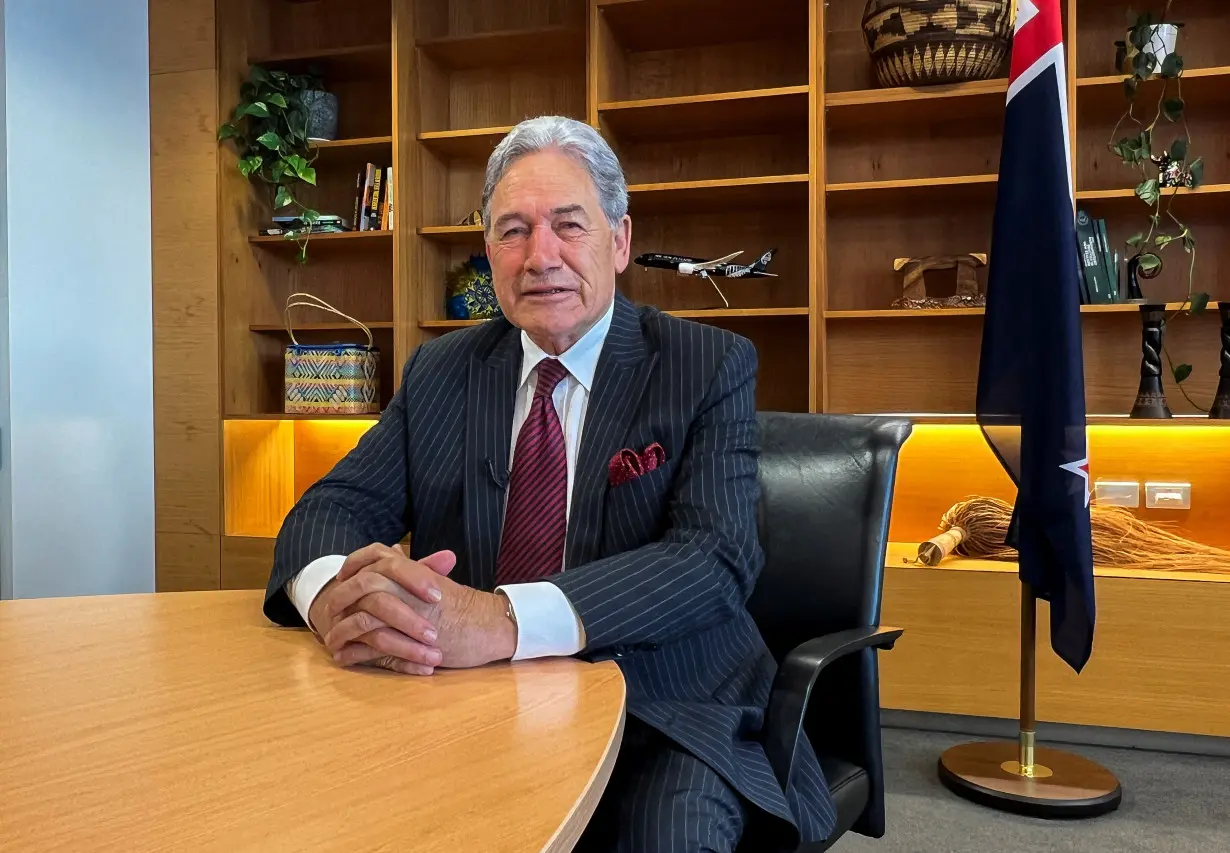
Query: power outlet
[[1168, 495], [1117, 493]]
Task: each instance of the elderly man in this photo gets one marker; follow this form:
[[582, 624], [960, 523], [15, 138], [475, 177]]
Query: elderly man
[[495, 454]]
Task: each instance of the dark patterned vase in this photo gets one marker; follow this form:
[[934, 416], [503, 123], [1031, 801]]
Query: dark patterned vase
[[1221, 403], [1150, 398]]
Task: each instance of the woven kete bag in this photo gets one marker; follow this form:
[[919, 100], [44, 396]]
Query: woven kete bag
[[330, 379], [924, 42]]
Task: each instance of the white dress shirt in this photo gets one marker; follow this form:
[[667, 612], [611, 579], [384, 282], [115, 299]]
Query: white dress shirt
[[547, 624]]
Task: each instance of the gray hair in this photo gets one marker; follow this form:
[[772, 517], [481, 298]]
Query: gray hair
[[579, 141]]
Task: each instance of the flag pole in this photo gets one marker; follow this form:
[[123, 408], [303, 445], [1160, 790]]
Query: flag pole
[[1023, 777], [1029, 651]]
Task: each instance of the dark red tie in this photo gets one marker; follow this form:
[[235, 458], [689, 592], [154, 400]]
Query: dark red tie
[[536, 518]]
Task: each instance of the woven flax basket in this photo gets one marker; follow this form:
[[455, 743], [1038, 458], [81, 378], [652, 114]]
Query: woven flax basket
[[924, 42], [330, 379]]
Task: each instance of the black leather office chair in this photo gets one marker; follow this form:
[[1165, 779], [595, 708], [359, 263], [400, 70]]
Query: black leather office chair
[[826, 493]]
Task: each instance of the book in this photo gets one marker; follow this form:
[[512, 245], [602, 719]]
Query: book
[[1094, 270]]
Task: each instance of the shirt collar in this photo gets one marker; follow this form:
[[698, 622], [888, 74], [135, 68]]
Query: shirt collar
[[581, 358]]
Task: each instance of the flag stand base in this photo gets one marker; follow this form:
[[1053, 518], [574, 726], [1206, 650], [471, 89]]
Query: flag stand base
[[1025, 778], [1060, 784]]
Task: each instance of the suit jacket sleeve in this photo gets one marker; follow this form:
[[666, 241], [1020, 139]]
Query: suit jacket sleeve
[[364, 499], [703, 569]]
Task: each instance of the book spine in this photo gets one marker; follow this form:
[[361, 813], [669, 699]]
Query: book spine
[[365, 210], [375, 208], [1091, 261], [392, 198], [387, 207], [1112, 275], [358, 199]]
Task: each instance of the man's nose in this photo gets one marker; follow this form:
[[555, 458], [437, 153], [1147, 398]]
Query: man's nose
[[544, 246]]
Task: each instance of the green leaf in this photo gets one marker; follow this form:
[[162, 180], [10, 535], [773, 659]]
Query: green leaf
[[308, 174], [1136, 240], [256, 108], [1164, 240], [296, 163], [1197, 170], [1130, 84], [1189, 241], [1172, 66], [227, 131], [283, 198], [1139, 36], [1173, 108], [1200, 301], [1148, 262], [277, 170], [248, 165], [257, 74], [1148, 192], [278, 100], [1143, 64], [310, 216], [270, 140], [1178, 149], [1182, 371]]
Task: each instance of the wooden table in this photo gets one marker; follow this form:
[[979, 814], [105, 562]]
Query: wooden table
[[187, 721]]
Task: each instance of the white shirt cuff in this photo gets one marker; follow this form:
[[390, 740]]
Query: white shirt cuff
[[547, 623], [305, 586]]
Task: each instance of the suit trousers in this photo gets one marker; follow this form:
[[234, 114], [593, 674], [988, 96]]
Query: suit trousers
[[662, 799]]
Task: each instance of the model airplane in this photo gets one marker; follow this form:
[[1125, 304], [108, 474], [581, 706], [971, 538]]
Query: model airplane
[[707, 269]]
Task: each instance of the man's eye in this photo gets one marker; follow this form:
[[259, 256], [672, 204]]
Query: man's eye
[[512, 232], [570, 226]]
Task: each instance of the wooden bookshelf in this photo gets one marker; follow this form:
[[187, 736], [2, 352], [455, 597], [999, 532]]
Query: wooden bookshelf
[[740, 126]]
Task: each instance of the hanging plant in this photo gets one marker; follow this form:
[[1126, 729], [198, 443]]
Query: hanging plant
[[269, 129], [1149, 51]]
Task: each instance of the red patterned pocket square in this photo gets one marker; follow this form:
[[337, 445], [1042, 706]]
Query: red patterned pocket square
[[627, 464]]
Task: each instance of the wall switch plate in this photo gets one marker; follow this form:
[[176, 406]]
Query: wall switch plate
[[1168, 495], [1117, 493]]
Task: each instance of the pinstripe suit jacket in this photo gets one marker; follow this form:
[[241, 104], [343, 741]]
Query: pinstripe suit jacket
[[659, 568]]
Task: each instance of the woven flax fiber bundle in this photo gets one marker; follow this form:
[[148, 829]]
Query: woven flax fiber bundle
[[977, 527]]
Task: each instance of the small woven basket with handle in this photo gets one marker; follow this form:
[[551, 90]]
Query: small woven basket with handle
[[925, 42], [330, 379]]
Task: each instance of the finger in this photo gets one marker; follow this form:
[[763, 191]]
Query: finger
[[363, 558], [441, 562], [402, 666], [410, 576], [385, 641], [381, 610], [347, 592]]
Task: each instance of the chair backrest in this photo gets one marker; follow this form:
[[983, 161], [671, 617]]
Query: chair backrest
[[826, 492]]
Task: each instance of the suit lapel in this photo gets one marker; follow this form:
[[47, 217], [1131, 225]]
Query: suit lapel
[[623, 370], [490, 398]]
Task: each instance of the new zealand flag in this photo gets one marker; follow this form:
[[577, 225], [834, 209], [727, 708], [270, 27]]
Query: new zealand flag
[[1031, 384]]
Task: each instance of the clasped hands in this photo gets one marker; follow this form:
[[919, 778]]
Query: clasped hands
[[384, 609]]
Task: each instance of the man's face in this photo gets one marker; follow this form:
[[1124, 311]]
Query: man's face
[[553, 255]]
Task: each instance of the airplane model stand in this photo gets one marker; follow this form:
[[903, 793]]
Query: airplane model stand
[[1025, 778]]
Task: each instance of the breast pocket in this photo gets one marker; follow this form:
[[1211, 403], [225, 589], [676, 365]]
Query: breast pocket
[[636, 509]]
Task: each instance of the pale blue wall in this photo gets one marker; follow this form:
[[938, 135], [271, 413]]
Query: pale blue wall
[[78, 513]]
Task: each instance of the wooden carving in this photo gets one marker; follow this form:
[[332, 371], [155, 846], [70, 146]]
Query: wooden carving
[[914, 288]]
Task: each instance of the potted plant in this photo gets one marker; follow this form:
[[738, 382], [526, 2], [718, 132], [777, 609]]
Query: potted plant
[[270, 130], [1149, 51]]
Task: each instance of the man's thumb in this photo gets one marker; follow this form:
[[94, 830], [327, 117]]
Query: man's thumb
[[441, 562]]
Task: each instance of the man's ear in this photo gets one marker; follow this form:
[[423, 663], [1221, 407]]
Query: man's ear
[[623, 243]]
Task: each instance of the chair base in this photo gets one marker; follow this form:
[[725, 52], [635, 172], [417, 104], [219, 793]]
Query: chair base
[[1075, 787]]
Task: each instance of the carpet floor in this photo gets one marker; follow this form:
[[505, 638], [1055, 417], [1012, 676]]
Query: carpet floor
[[1171, 802]]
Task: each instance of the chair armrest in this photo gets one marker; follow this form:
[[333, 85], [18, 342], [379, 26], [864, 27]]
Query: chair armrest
[[792, 688]]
